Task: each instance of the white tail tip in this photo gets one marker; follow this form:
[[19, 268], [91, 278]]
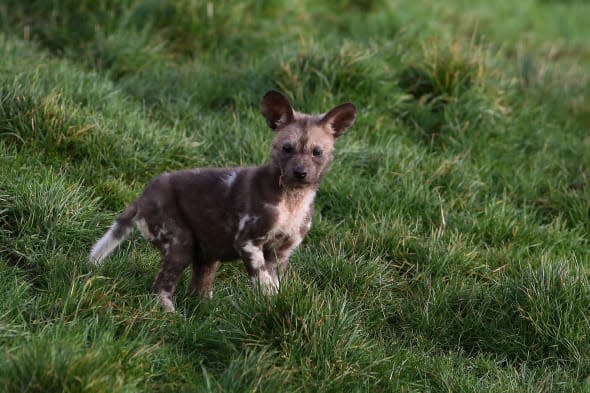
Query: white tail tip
[[106, 245]]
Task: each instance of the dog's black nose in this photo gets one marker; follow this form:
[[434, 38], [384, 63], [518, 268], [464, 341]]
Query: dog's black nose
[[299, 173]]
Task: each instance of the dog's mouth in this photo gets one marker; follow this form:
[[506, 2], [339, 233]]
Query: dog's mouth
[[300, 182], [294, 182]]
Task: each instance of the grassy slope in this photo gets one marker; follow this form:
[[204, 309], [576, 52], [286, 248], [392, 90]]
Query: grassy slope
[[450, 242]]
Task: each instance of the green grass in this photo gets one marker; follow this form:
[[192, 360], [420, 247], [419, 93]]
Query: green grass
[[450, 249]]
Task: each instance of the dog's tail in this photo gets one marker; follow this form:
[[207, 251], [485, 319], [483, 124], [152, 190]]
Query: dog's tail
[[116, 234]]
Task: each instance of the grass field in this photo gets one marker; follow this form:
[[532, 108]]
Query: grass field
[[450, 250]]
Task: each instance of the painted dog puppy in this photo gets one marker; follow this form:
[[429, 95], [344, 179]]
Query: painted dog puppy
[[200, 217]]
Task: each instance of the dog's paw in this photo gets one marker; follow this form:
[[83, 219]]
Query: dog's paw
[[166, 301], [268, 284]]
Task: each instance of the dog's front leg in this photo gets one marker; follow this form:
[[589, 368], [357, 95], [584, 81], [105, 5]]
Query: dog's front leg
[[277, 261], [252, 254]]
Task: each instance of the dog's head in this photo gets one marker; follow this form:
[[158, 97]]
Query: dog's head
[[303, 144]]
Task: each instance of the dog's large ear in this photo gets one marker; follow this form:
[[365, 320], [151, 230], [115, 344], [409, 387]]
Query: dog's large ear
[[276, 109], [339, 119]]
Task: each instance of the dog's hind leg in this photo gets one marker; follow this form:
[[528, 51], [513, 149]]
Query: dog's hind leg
[[202, 279], [177, 253]]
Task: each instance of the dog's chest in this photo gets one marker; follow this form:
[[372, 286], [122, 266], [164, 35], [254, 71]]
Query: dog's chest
[[292, 217]]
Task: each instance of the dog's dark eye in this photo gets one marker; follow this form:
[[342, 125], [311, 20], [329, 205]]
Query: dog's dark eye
[[317, 152], [288, 148]]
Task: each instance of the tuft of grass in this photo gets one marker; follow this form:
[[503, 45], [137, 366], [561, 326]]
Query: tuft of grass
[[346, 71], [510, 317], [48, 364], [41, 214], [316, 337], [444, 97]]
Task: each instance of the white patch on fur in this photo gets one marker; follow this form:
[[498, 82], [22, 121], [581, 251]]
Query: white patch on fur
[[106, 244], [291, 217], [144, 229], [166, 301], [230, 179], [256, 255], [244, 220], [161, 232], [268, 284], [275, 281]]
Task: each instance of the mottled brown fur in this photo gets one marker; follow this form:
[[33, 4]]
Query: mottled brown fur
[[200, 217]]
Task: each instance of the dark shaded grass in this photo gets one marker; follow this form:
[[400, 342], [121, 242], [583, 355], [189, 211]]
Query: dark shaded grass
[[47, 365], [537, 315]]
